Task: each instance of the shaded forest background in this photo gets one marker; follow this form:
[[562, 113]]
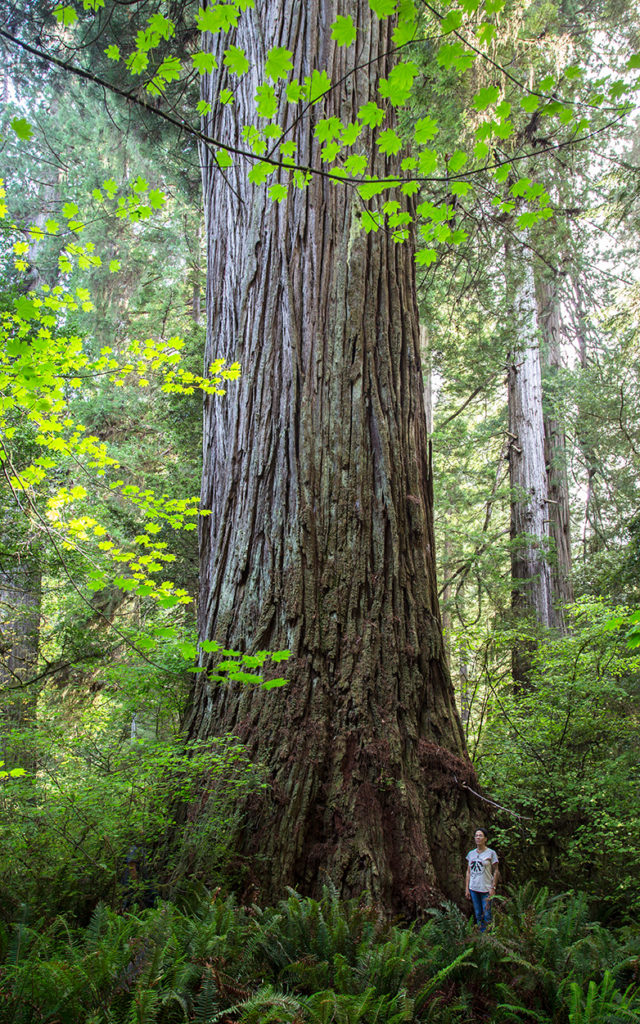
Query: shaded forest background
[[539, 604]]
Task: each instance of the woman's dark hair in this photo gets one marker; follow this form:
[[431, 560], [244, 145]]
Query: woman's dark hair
[[483, 830]]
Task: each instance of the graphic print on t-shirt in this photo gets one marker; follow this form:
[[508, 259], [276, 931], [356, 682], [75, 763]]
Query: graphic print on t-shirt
[[480, 870]]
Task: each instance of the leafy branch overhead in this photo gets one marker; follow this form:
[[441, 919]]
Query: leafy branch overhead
[[570, 104]]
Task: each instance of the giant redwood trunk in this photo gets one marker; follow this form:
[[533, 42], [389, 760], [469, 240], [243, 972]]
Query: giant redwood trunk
[[320, 539]]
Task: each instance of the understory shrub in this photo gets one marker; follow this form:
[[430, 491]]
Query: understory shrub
[[564, 754]]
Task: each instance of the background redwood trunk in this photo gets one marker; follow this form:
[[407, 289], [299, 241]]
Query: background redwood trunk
[[320, 539], [548, 303], [530, 570]]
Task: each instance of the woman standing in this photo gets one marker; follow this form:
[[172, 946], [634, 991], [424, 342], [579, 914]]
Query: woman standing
[[482, 877]]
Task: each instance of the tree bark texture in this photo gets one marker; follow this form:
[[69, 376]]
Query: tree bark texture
[[320, 540], [20, 597], [548, 307], [590, 534], [530, 570]]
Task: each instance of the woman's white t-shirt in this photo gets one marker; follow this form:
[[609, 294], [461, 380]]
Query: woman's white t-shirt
[[480, 869]]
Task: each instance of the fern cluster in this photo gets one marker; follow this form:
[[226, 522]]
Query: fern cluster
[[204, 959]]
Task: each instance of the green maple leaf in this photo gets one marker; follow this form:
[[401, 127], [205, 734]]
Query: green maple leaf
[[425, 257], [22, 128], [161, 25], [223, 158], [343, 30], [371, 114], [272, 684], [454, 55], [329, 152], [356, 164], [383, 8], [235, 59], [527, 220], [428, 161], [255, 139], [451, 22], [530, 103], [278, 63], [521, 187], [26, 308], [260, 172], [403, 74], [350, 134], [425, 130], [396, 96], [389, 142], [486, 97], [204, 62], [218, 18], [372, 188], [370, 221], [226, 96], [65, 15], [405, 30], [113, 52], [69, 210], [137, 62], [457, 161], [266, 101], [504, 130], [634, 62], [486, 32], [170, 69], [277, 192], [316, 86], [294, 92], [327, 129], [288, 150]]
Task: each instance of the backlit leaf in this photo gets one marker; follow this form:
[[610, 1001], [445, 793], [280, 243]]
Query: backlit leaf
[[343, 30], [278, 63]]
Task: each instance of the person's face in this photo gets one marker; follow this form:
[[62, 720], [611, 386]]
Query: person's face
[[480, 838]]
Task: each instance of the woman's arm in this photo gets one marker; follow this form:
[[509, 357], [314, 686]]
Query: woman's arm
[[496, 875], [466, 882]]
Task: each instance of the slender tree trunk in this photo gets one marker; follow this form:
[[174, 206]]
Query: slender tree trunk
[[590, 538], [548, 305], [530, 571], [321, 537], [427, 376], [20, 593]]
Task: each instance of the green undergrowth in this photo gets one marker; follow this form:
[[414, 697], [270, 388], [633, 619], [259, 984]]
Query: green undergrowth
[[203, 958]]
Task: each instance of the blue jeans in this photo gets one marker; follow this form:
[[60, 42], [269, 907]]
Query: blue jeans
[[481, 908]]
